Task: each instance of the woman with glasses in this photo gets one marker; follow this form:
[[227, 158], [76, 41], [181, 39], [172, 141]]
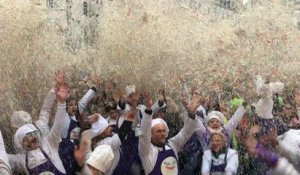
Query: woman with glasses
[[41, 153]]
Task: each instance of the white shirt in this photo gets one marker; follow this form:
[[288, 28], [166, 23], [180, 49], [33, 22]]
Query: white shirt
[[232, 161], [149, 152]]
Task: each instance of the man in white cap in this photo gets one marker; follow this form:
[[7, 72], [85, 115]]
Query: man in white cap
[[4, 165], [159, 155], [133, 106]]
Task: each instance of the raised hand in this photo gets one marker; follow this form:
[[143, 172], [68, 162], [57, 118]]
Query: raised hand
[[79, 153], [254, 130], [193, 104], [181, 78], [297, 98], [59, 77], [63, 93], [250, 144], [148, 100], [93, 118]]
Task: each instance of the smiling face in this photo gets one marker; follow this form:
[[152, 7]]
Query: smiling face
[[214, 123], [31, 141], [169, 166], [113, 114], [158, 134], [217, 142]]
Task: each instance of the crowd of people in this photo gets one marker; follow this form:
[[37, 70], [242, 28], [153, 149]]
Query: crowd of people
[[131, 134]]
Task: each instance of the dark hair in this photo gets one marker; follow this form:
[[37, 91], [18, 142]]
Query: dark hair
[[110, 106]]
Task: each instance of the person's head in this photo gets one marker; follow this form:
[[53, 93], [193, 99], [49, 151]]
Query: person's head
[[160, 113], [159, 131], [214, 120], [132, 95], [71, 106], [218, 141], [75, 133], [133, 99], [27, 137], [20, 118], [111, 110], [101, 128], [100, 160]]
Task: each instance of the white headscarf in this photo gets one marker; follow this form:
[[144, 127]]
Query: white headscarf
[[217, 115], [21, 133]]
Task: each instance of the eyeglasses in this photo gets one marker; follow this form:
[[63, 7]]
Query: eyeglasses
[[33, 133]]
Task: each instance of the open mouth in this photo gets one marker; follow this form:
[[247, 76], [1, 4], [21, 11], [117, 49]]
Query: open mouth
[[169, 167]]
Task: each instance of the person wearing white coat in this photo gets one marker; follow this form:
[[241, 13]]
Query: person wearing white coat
[[219, 159]]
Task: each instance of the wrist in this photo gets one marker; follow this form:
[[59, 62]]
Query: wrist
[[191, 115], [148, 111]]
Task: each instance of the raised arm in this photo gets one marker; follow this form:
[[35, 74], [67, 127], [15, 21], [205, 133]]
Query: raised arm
[[54, 136], [43, 122], [4, 165], [145, 138], [235, 119], [91, 93], [200, 115], [190, 125]]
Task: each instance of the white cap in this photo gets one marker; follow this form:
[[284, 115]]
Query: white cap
[[101, 158], [20, 118], [130, 89], [100, 125], [160, 121], [215, 115]]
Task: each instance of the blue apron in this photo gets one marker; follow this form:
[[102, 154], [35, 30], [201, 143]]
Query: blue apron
[[218, 168], [163, 155], [66, 151]]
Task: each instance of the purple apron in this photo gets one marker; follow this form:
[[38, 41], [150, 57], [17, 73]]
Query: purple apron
[[66, 151], [218, 168], [162, 164], [129, 153], [48, 166]]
